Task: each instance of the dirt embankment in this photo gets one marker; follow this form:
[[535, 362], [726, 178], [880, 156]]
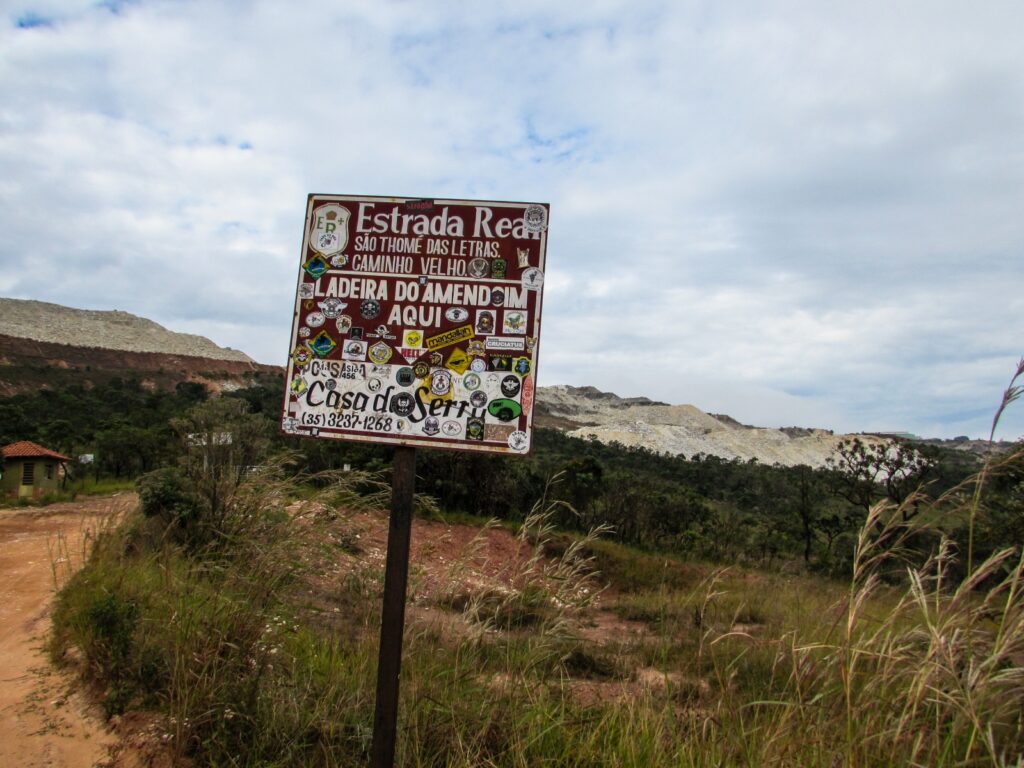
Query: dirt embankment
[[26, 364], [44, 720]]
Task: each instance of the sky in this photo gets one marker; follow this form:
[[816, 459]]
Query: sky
[[795, 213]]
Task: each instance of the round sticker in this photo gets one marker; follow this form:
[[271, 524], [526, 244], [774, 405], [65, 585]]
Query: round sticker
[[478, 399], [471, 381], [535, 217], [510, 386], [315, 319], [451, 428], [456, 314], [402, 404], [533, 279], [369, 309], [518, 440], [479, 365]]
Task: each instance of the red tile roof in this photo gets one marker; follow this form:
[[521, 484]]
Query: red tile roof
[[25, 449]]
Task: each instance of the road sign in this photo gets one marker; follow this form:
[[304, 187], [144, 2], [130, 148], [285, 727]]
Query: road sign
[[417, 322]]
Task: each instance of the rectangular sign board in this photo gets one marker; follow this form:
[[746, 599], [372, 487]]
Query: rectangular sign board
[[417, 322]]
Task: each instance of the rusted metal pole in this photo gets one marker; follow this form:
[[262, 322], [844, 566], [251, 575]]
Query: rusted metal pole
[[392, 623]]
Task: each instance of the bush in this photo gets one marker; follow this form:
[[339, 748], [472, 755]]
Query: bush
[[167, 494]]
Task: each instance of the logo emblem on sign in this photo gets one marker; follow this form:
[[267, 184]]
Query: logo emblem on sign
[[380, 353], [328, 233]]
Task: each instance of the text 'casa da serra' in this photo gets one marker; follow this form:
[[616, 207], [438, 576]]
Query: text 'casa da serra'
[[417, 322]]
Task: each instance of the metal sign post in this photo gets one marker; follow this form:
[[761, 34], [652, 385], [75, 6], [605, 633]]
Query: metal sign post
[[392, 624], [416, 323]]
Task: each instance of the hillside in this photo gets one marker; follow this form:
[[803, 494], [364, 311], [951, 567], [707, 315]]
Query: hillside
[[56, 324], [677, 429]]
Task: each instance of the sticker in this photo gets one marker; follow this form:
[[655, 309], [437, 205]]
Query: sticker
[[446, 339], [431, 426], [315, 267], [374, 385], [498, 433], [528, 392], [299, 385], [381, 332], [484, 322], [331, 384], [498, 269], [510, 386], [522, 366], [412, 339], [405, 377], [531, 344], [497, 297], [420, 369], [344, 324], [518, 441], [501, 363], [384, 371], [328, 234], [422, 279], [339, 261], [380, 353], [458, 361], [535, 218], [523, 257], [402, 425], [315, 319], [505, 343], [403, 404], [492, 381], [514, 322], [323, 344], [456, 314], [478, 364], [306, 290], [356, 332], [350, 371], [533, 279], [504, 410], [290, 424], [475, 429], [307, 304], [451, 428], [354, 350], [475, 348], [369, 308], [436, 359], [303, 333], [471, 381], [440, 383], [478, 268], [332, 307], [478, 399]]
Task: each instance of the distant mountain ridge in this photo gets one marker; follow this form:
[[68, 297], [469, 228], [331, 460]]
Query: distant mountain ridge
[[57, 324]]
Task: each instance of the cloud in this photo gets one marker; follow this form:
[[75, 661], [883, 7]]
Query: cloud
[[803, 213]]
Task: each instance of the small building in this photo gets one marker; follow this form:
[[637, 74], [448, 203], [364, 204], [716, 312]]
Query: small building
[[29, 470]]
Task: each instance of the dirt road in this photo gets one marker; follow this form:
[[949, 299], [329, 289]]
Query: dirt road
[[43, 721]]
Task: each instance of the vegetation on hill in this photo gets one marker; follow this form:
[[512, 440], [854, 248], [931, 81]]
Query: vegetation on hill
[[245, 610]]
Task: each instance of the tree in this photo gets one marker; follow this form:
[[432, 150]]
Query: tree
[[862, 473]]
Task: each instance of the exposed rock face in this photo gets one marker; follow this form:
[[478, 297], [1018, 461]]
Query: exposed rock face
[[117, 330], [677, 429]]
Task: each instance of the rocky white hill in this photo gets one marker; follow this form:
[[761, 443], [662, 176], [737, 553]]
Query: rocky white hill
[[677, 429], [116, 330]]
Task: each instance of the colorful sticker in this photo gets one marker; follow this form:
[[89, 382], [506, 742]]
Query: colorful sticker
[[458, 361], [344, 324], [478, 365], [535, 218], [322, 344], [475, 428], [510, 386], [446, 339], [522, 366], [533, 279], [514, 321], [315, 267], [328, 233], [354, 350], [412, 339], [299, 385], [498, 433], [471, 381], [498, 269], [440, 383], [504, 409], [479, 268], [484, 321], [331, 307], [380, 353]]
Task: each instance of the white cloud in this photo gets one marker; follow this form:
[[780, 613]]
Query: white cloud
[[802, 213]]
